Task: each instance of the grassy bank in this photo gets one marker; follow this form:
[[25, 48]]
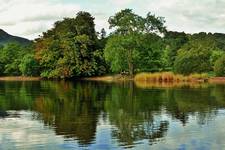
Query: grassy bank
[[218, 80], [170, 77], [162, 77], [154, 78], [20, 78]]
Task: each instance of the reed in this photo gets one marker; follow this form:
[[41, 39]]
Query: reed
[[169, 77], [150, 85], [197, 76]]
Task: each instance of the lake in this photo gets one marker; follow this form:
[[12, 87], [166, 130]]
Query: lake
[[101, 116]]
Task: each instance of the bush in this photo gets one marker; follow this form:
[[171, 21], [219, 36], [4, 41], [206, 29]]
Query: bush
[[219, 67]]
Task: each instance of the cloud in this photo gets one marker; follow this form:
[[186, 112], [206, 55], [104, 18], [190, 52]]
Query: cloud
[[26, 16], [190, 15], [22, 17], [121, 2]]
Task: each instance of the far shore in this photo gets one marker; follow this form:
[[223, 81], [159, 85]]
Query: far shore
[[107, 78]]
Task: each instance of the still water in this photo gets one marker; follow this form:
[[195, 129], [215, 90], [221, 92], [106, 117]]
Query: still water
[[101, 116]]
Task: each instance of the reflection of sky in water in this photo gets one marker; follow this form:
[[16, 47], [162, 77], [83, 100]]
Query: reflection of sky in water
[[24, 132]]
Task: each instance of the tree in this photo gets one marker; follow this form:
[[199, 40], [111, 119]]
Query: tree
[[29, 66], [174, 41], [151, 54], [103, 33], [120, 52], [124, 47], [70, 49], [126, 22], [216, 54], [220, 66], [1, 61], [84, 25], [194, 57], [154, 24], [10, 57]]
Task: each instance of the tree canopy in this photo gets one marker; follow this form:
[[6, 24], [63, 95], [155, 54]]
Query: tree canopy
[[73, 48], [132, 39], [70, 49]]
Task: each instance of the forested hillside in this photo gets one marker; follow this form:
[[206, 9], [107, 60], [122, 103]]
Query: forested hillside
[[6, 38]]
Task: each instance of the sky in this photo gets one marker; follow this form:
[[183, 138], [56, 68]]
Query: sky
[[29, 18]]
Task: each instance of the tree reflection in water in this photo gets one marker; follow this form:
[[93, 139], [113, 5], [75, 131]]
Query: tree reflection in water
[[135, 113]]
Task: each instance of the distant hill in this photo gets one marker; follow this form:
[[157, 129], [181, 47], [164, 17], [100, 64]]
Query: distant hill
[[7, 38]]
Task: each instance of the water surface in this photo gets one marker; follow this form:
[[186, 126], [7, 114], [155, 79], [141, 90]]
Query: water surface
[[95, 115]]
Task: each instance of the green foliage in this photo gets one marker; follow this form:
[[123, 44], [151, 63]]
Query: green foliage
[[14, 58], [216, 54], [220, 66], [131, 48], [144, 52], [151, 54], [194, 57], [29, 66], [10, 57], [71, 49], [174, 41], [126, 22], [116, 52]]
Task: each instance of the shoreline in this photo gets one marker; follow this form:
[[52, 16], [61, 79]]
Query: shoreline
[[117, 78], [107, 78], [20, 78]]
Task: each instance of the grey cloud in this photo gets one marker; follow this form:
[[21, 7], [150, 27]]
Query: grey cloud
[[36, 30], [181, 15], [42, 18], [191, 15], [9, 23]]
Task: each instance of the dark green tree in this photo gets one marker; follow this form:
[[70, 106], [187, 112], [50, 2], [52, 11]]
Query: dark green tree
[[219, 67], [174, 41], [10, 57], [70, 49], [194, 57], [29, 66]]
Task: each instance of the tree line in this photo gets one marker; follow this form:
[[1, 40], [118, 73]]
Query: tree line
[[73, 48]]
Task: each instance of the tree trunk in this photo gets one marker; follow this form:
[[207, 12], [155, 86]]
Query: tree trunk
[[130, 63], [131, 69]]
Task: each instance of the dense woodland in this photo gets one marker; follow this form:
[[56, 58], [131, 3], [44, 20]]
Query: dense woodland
[[73, 48]]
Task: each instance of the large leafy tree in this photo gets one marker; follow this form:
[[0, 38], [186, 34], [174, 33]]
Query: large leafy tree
[[121, 52], [125, 47], [69, 49]]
